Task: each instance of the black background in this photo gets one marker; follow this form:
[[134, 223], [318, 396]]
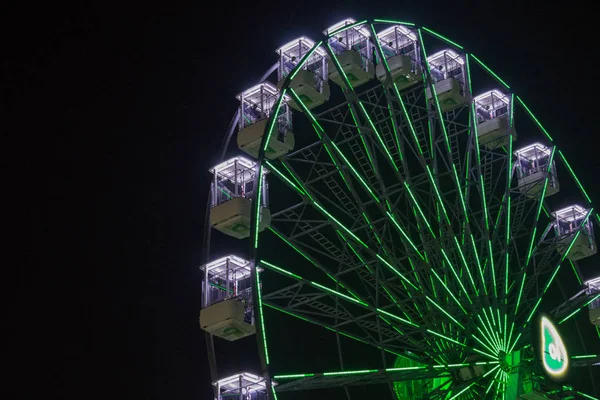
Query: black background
[[113, 113]]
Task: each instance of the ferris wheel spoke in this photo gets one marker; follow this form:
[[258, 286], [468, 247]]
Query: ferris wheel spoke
[[395, 350], [540, 295], [323, 136], [381, 311], [424, 219], [347, 316]]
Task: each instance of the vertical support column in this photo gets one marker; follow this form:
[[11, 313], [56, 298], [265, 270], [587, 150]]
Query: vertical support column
[[227, 277], [214, 194], [514, 384], [235, 178]]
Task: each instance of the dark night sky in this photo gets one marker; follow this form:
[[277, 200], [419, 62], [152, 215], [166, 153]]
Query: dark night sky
[[118, 112]]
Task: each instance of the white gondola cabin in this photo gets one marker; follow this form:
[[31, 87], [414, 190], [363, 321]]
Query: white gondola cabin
[[241, 386], [448, 75], [256, 106], [593, 287], [569, 221], [493, 119], [232, 189], [354, 52], [532, 166], [227, 298], [401, 51], [311, 82]]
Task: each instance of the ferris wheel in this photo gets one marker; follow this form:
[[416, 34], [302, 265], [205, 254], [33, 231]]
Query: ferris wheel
[[402, 202]]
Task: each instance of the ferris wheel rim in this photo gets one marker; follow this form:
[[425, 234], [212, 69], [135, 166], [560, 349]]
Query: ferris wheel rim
[[262, 161]]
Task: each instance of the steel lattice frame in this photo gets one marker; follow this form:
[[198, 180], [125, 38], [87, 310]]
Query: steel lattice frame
[[424, 243]]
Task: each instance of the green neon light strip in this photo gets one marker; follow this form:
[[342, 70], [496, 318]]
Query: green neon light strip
[[321, 132], [489, 341], [492, 325], [575, 272], [258, 205], [312, 262], [492, 381], [512, 109], [336, 293], [372, 371], [460, 344], [490, 71], [448, 290], [520, 292], [387, 67], [562, 258], [456, 275], [466, 266], [445, 39], [378, 136], [491, 258], [362, 138], [407, 118], [482, 185], [468, 64], [540, 206], [478, 264], [346, 27], [462, 391], [579, 309], [404, 235], [562, 157], [262, 318], [285, 178], [273, 391], [328, 328], [491, 338], [437, 103], [223, 288], [485, 346], [446, 139], [348, 231], [303, 60], [298, 182], [355, 172], [339, 67], [445, 312], [358, 240], [375, 131], [273, 120], [587, 396], [394, 22], [584, 356], [537, 122]]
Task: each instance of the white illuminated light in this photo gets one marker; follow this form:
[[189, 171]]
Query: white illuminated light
[[434, 58], [347, 21], [553, 351], [595, 283], [267, 88], [238, 261], [530, 151], [237, 269], [242, 161], [485, 99], [294, 44], [391, 32], [570, 213], [250, 382]]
